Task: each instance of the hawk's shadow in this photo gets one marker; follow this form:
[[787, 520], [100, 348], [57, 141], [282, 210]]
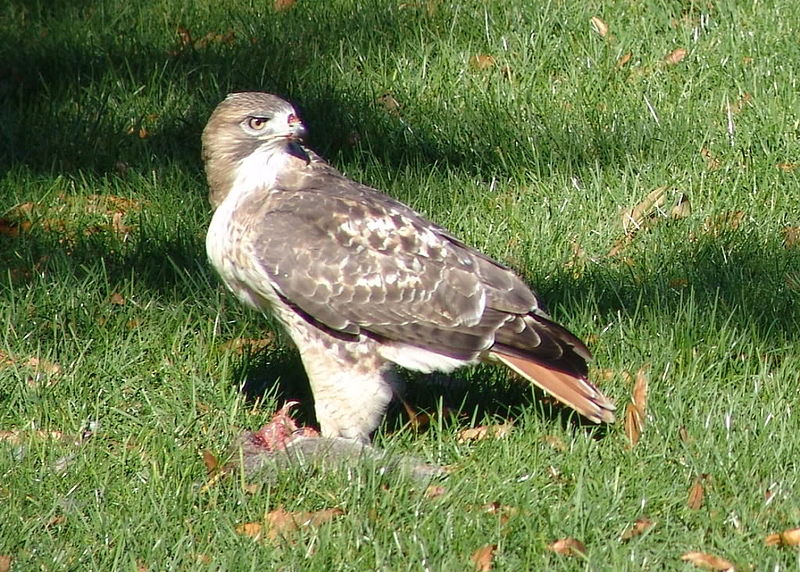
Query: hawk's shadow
[[465, 398]]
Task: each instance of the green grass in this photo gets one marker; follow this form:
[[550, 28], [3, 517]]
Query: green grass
[[526, 162]]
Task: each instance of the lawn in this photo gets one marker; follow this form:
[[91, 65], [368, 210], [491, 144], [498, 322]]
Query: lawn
[[535, 131]]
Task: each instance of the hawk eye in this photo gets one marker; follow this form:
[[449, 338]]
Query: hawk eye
[[257, 123]]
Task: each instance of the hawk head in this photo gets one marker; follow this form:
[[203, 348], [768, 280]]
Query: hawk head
[[243, 133]]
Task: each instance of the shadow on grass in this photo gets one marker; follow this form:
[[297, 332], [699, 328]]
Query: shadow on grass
[[77, 104]]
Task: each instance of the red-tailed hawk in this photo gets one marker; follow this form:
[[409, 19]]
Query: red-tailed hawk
[[362, 282]]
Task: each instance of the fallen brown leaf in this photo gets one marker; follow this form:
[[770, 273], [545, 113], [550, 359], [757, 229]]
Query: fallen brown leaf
[[641, 526], [675, 56], [636, 411], [281, 523], [253, 488], [120, 228], [634, 217], [740, 103], [211, 462], [634, 424], [677, 283], [640, 389], [481, 62], [12, 228], [789, 537], [599, 26], [715, 225], [390, 104], [683, 435], [247, 345], [568, 547], [682, 208], [251, 529], [503, 511], [483, 557], [578, 260], [707, 561], [434, 491], [417, 420], [787, 167], [697, 493], [280, 5], [555, 442], [17, 436], [5, 562], [485, 431], [55, 520], [712, 163], [791, 236], [116, 299], [623, 60]]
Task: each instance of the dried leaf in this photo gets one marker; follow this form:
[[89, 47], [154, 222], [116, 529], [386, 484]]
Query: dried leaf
[[55, 520], [120, 228], [497, 431], [599, 26], [623, 60], [636, 411], [5, 562], [568, 547], [390, 104], [17, 436], [555, 442], [717, 224], [640, 389], [682, 208], [280, 5], [184, 37], [251, 529], [634, 424], [281, 523], [481, 62], [791, 236], [641, 526], [116, 299], [741, 103], [675, 56], [712, 163], [210, 461], [677, 283], [634, 217], [247, 345], [707, 561], [12, 228], [787, 167], [434, 491], [483, 557], [683, 435], [789, 537], [253, 488], [697, 493], [417, 420], [504, 511]]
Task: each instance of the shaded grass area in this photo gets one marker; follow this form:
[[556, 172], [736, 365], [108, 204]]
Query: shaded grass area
[[529, 160]]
